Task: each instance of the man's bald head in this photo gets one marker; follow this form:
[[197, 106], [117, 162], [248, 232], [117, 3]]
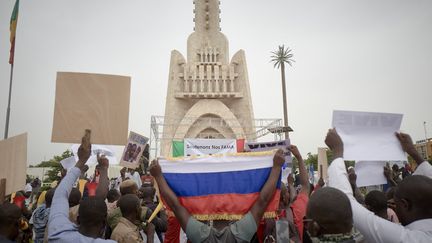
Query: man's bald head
[[330, 209], [376, 202], [92, 211], [74, 197], [148, 192], [49, 197], [129, 205], [413, 198]]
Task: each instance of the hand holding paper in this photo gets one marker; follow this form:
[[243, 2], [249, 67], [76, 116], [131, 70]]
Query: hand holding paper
[[408, 146], [294, 150], [102, 161], [334, 142], [279, 158]]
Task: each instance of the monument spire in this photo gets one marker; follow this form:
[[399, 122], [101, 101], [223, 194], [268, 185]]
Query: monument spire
[[207, 37], [207, 15], [208, 95]]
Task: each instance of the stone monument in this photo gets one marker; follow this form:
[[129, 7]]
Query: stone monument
[[208, 96]]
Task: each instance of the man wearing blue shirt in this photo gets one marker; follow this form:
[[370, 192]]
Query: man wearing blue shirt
[[92, 212]]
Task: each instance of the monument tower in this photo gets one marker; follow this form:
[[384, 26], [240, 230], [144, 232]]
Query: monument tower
[[208, 96]]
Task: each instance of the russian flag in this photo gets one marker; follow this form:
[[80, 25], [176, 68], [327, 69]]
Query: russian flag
[[220, 187]]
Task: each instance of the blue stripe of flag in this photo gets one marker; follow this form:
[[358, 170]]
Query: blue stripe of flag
[[202, 184]]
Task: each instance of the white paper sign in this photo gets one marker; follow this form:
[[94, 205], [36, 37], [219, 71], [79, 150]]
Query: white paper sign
[[68, 163], [285, 172], [370, 173], [369, 136], [133, 150], [109, 154], [209, 146]]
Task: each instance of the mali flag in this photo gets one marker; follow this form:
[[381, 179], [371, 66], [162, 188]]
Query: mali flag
[[13, 25]]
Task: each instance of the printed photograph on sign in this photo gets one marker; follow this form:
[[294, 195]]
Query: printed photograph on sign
[[133, 150]]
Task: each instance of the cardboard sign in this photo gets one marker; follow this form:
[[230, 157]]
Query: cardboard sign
[[98, 102], [209, 146], [13, 154], [322, 163], [369, 136], [133, 150]]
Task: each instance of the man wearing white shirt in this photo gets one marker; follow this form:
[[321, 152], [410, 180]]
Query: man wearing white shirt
[[120, 179], [135, 176], [413, 198]]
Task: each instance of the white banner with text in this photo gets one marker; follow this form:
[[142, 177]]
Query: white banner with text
[[209, 146]]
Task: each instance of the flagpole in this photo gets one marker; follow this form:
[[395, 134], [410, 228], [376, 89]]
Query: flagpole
[[9, 101], [13, 26]]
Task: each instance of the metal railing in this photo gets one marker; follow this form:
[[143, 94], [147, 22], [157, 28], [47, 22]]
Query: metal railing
[[261, 127]]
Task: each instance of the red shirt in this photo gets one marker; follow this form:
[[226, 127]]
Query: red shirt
[[298, 208], [173, 233]]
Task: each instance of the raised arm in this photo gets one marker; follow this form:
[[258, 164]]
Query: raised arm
[[102, 189], [423, 167], [59, 212], [373, 228], [169, 196], [408, 146], [292, 190], [304, 178], [388, 175], [269, 187]]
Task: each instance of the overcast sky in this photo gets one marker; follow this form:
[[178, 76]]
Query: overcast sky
[[353, 55]]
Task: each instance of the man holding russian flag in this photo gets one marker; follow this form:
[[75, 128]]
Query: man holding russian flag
[[240, 231]]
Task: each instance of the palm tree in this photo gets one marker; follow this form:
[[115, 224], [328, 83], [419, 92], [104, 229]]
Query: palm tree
[[279, 58]]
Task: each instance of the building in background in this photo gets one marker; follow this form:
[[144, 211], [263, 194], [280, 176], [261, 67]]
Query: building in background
[[424, 148]]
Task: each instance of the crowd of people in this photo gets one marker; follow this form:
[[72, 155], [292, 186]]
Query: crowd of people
[[128, 209]]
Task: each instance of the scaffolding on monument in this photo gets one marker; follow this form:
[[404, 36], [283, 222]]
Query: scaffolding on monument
[[262, 128]]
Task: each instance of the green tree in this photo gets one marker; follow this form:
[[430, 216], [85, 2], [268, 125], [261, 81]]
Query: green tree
[[281, 56], [312, 159], [54, 165]]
